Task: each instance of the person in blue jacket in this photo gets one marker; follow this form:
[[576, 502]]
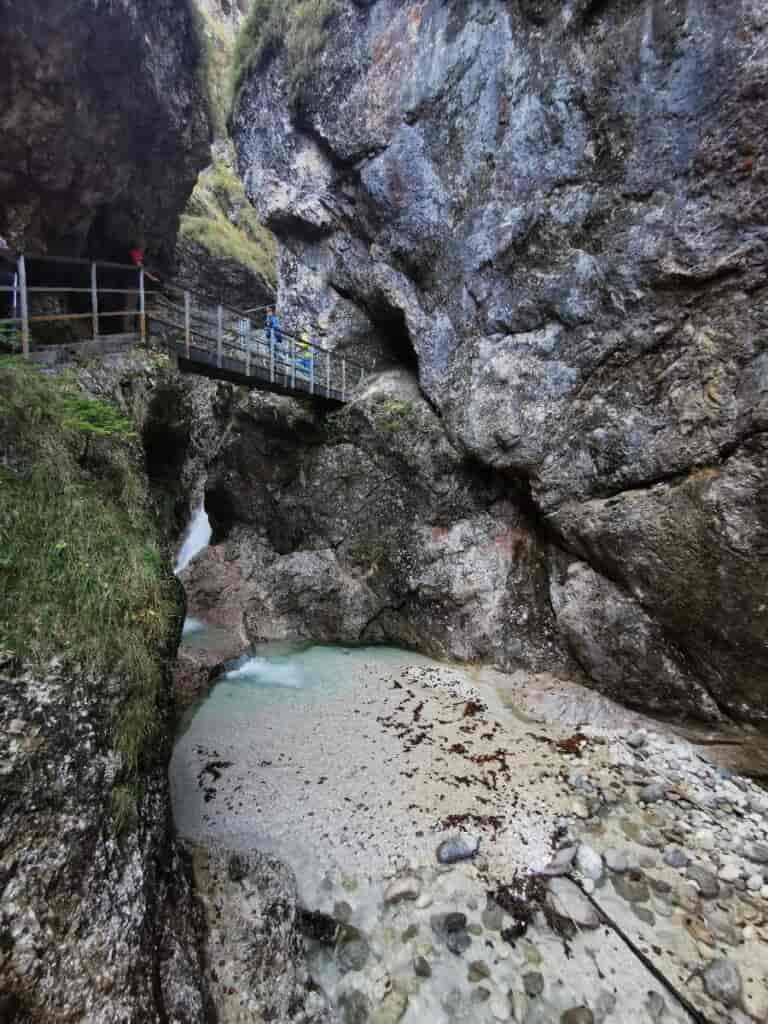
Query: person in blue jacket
[[272, 326]]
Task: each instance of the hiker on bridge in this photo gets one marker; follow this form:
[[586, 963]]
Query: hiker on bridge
[[137, 259], [272, 326], [304, 352]]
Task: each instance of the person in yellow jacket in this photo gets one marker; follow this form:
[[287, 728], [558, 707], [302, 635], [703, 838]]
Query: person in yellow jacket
[[304, 352]]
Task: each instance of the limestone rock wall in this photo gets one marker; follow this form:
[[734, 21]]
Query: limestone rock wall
[[104, 124], [557, 210]]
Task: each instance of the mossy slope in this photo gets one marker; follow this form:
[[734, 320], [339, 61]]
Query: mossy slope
[[81, 572]]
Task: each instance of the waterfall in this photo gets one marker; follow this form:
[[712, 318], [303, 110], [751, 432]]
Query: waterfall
[[197, 537]]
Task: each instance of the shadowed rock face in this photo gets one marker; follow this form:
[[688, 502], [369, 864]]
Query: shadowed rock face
[[103, 123], [563, 209], [369, 527]]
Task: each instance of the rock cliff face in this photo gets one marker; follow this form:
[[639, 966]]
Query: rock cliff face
[[557, 211], [104, 124], [97, 918], [369, 526]]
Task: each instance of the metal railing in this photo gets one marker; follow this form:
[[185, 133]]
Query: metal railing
[[227, 339], [209, 336], [92, 292]]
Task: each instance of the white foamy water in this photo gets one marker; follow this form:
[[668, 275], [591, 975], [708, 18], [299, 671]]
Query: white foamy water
[[192, 625], [197, 537], [268, 672]]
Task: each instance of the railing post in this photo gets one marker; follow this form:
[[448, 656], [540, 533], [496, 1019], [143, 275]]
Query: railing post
[[272, 356], [187, 322], [293, 364], [220, 336], [312, 371], [248, 348], [24, 306], [94, 302], [362, 375], [327, 373], [142, 307], [343, 378]]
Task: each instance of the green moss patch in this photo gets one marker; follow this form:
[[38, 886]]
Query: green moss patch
[[221, 219], [298, 26]]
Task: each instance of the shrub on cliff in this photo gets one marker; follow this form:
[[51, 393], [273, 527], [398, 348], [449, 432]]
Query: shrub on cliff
[[81, 574], [221, 219], [298, 26]]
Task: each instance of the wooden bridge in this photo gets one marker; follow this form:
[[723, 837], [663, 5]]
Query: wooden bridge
[[98, 306]]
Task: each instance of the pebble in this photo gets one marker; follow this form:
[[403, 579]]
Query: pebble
[[588, 886], [457, 848], [676, 859], [533, 983], [353, 951], [566, 901], [392, 1008], [578, 1015], [492, 917], [478, 971], [723, 982], [704, 840], [616, 861], [650, 837], [421, 967], [560, 863], [355, 1007], [706, 881], [408, 888], [579, 808], [729, 873], [342, 911], [637, 739], [755, 883], [589, 862], [653, 793], [632, 887], [757, 852]]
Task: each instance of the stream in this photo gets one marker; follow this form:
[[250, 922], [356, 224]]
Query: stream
[[351, 765]]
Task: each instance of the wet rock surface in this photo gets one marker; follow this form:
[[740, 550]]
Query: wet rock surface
[[557, 212], [486, 943]]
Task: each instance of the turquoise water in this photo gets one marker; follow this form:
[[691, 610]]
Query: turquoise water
[[293, 675]]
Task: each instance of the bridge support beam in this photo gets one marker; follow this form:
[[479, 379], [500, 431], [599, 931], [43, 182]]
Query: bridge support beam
[[24, 306]]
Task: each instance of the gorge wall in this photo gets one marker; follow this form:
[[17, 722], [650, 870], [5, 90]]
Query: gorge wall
[[556, 213], [104, 124]]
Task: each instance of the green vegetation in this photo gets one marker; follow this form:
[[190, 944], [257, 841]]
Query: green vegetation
[[297, 25], [214, 68], [392, 414], [221, 219], [80, 572]]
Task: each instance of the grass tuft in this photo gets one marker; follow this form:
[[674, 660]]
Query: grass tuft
[[221, 219], [299, 26], [80, 571]]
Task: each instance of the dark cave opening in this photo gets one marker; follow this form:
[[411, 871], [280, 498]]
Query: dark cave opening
[[165, 438], [397, 348], [220, 510]]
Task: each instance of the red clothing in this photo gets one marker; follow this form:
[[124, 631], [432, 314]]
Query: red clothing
[[137, 255]]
